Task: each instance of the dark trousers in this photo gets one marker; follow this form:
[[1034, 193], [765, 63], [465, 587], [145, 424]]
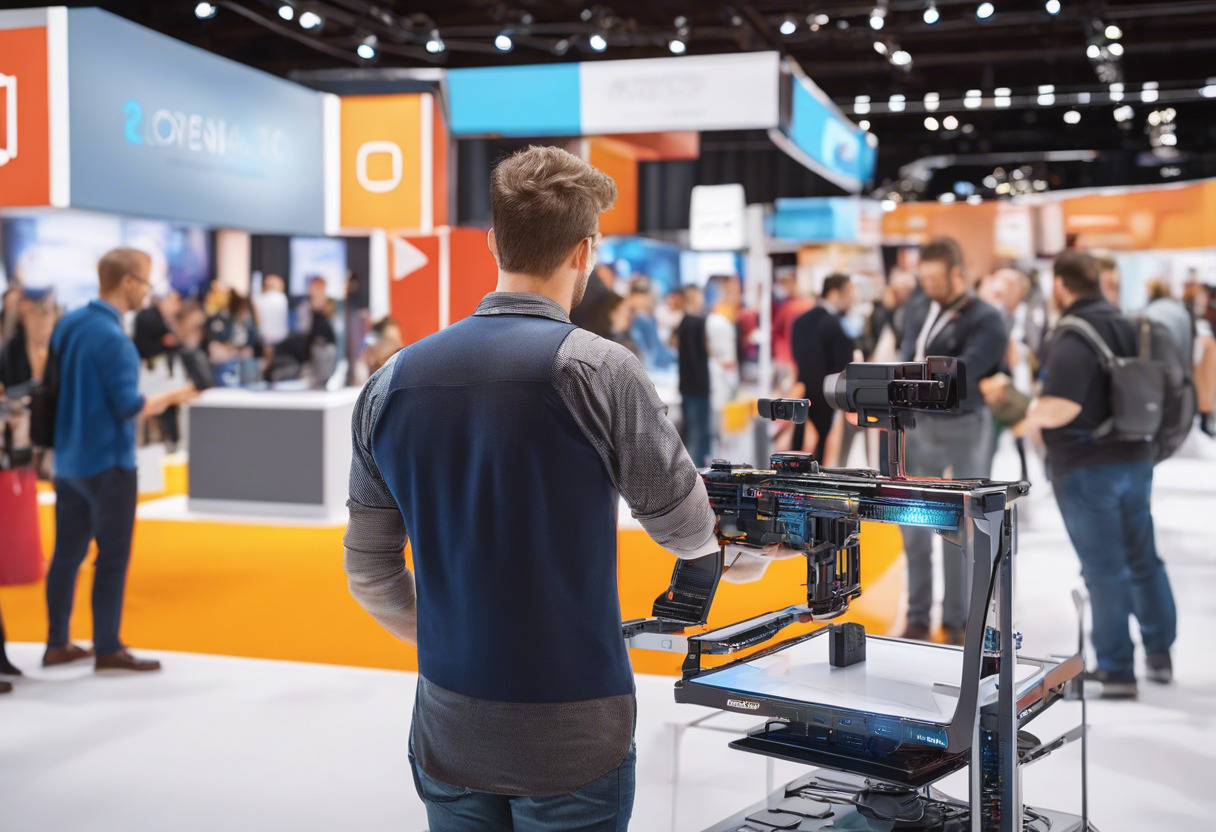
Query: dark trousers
[[697, 434], [961, 443], [819, 415], [603, 806], [1106, 512], [100, 508]]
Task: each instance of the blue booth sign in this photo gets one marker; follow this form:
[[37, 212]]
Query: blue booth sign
[[163, 129]]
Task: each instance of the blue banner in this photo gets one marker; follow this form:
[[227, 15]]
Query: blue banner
[[837, 147], [162, 129], [515, 100]]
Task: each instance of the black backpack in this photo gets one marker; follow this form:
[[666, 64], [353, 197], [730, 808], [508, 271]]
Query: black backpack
[[1152, 394]]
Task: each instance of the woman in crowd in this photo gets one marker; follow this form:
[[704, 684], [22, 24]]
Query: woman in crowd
[[233, 342]]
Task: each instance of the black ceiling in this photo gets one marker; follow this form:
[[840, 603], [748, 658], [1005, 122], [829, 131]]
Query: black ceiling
[[1021, 47]]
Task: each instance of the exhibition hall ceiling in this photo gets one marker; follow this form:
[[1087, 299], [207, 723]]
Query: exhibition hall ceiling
[[1131, 80]]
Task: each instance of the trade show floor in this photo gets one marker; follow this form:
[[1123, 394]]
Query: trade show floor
[[224, 743]]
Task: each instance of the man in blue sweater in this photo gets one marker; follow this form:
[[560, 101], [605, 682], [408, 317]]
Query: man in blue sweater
[[95, 488]]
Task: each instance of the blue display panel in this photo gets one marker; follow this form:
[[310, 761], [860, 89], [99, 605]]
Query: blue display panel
[[830, 140], [515, 100], [162, 129]]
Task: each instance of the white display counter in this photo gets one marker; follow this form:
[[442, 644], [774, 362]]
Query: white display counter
[[271, 452]]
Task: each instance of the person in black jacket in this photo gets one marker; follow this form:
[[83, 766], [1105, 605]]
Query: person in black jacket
[[693, 357], [951, 321], [1103, 486], [821, 347]]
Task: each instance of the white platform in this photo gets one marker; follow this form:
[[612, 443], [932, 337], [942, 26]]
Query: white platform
[[216, 743]]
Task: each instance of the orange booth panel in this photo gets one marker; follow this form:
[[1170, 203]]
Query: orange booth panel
[[25, 148], [438, 279]]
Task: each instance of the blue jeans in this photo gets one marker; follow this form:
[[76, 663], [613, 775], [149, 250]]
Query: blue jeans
[[602, 806], [1106, 512], [697, 434], [100, 507]]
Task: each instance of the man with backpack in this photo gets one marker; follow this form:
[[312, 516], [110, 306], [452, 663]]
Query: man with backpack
[[1102, 470]]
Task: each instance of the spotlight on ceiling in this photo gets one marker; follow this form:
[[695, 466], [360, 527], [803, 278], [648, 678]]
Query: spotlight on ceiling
[[788, 26], [1116, 49], [931, 13], [503, 43], [878, 18], [973, 99], [1113, 32], [597, 42], [1002, 97], [974, 199], [880, 47], [901, 58], [1072, 117], [950, 123], [1053, 6], [1093, 52], [204, 11], [931, 123], [932, 101], [861, 105], [1116, 92], [287, 12], [946, 198], [434, 43], [1124, 113], [677, 47], [864, 125], [311, 20], [985, 11], [1047, 95], [1209, 89], [1149, 92], [367, 49], [896, 103]]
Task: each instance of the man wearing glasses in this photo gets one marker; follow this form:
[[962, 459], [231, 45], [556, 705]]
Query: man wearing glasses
[[98, 403]]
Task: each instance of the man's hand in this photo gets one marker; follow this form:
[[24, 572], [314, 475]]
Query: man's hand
[[160, 402], [993, 389], [744, 564]]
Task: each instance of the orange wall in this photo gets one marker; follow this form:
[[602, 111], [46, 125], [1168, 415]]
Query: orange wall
[[974, 226], [620, 161], [1165, 218]]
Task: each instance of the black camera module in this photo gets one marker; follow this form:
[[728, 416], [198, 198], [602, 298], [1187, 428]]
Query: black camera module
[[785, 410]]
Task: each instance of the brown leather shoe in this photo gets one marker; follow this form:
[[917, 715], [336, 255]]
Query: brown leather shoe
[[123, 660], [6, 687], [64, 655], [915, 632]]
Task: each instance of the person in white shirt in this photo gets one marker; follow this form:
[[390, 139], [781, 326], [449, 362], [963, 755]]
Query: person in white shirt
[[722, 342], [272, 310]]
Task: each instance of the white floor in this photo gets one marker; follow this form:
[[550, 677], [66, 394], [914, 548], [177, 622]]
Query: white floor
[[217, 743]]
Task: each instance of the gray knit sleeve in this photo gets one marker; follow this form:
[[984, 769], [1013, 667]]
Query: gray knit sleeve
[[375, 535], [615, 405]]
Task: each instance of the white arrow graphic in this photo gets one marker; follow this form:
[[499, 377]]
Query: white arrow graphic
[[407, 258]]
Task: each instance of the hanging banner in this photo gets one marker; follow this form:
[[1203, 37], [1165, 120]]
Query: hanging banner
[[159, 128], [515, 100], [705, 92], [820, 137]]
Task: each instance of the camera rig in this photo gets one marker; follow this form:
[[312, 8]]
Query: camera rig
[[827, 716]]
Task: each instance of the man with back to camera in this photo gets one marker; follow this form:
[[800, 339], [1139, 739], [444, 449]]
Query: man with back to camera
[[95, 485], [499, 445], [954, 323], [1103, 488], [822, 347]]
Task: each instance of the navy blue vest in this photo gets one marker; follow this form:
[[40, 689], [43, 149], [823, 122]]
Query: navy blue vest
[[511, 516]]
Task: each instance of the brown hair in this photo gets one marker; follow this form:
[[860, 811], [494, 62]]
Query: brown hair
[[117, 264], [943, 250], [1079, 272], [544, 201], [1158, 289]]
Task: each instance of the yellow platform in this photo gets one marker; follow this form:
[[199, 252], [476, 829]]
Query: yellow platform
[[279, 592]]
